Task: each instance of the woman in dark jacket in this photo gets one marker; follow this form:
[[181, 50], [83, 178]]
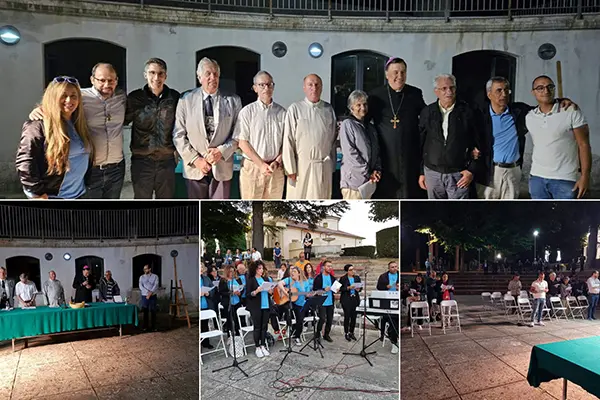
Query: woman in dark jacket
[[54, 155], [350, 299], [227, 282], [258, 303], [308, 242], [206, 303], [418, 292]]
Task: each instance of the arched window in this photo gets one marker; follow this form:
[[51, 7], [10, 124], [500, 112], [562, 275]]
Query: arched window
[[17, 265], [137, 270], [363, 70]]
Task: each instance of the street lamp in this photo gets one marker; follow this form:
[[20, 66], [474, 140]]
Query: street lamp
[[535, 235], [499, 256]]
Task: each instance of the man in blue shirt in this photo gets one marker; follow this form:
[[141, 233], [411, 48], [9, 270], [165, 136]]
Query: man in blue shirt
[[277, 255], [324, 282], [390, 281]]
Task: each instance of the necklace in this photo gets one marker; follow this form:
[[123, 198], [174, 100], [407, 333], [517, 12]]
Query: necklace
[[395, 120]]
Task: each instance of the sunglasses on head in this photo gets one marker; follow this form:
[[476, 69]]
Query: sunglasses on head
[[68, 79]]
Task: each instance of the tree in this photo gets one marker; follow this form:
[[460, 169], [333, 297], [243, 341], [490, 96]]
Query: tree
[[382, 211], [222, 220]]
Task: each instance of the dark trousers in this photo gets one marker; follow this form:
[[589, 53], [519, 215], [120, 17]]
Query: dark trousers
[[393, 321], [152, 318], [153, 177], [349, 316], [325, 314], [275, 315], [260, 320], [307, 251], [208, 188], [106, 182], [232, 324], [300, 314]]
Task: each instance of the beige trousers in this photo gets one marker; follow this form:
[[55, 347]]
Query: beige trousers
[[505, 184], [255, 185], [350, 194]]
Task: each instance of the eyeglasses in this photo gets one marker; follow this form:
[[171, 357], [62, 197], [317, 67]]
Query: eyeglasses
[[500, 91], [103, 81], [447, 89], [266, 85], [542, 88], [68, 79]]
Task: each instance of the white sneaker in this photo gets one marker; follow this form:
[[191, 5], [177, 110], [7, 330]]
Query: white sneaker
[[264, 350], [259, 352], [297, 342], [532, 324], [541, 323], [394, 349]]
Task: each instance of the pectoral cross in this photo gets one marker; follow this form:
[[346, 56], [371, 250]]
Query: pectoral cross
[[395, 121]]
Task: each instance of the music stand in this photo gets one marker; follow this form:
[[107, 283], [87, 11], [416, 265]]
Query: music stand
[[315, 304], [362, 352], [235, 363], [289, 350]]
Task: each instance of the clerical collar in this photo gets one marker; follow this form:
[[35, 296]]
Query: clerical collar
[[317, 104], [397, 91]]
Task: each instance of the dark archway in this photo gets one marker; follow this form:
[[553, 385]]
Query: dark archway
[[473, 69], [17, 265], [137, 270], [352, 70], [59, 59], [96, 265], [238, 67]]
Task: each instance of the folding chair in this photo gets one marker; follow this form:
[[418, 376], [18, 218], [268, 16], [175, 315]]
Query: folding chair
[[524, 294], [509, 304], [525, 310], [414, 316], [558, 308], [575, 308], [547, 312], [486, 298], [211, 315], [496, 299], [583, 302], [245, 330], [447, 308]]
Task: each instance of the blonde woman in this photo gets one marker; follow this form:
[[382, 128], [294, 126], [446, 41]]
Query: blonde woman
[[298, 281], [53, 157]]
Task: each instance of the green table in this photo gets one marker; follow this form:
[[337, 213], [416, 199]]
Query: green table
[[577, 361], [21, 324]]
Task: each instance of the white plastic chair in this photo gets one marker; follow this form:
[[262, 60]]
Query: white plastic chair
[[414, 316], [245, 330], [574, 307], [447, 308], [509, 304], [558, 308], [496, 299], [524, 294], [486, 297], [211, 315], [525, 310], [583, 302]]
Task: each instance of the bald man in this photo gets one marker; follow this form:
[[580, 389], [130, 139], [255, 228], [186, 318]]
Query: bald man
[[259, 133], [309, 144]]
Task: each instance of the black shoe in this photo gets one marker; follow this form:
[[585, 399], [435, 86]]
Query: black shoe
[[353, 337], [328, 338], [347, 336]]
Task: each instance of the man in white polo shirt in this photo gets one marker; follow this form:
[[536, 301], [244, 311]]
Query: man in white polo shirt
[[561, 145], [539, 287], [594, 292]]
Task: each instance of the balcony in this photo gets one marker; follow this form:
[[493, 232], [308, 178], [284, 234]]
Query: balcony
[[75, 223], [385, 9]]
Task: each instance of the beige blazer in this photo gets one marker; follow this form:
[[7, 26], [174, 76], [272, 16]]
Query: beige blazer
[[189, 134]]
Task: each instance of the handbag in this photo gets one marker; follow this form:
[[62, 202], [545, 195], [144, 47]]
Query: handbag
[[239, 345]]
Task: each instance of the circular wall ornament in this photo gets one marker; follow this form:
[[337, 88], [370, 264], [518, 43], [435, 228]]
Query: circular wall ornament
[[9, 35], [174, 253], [279, 49], [547, 51], [315, 50], [48, 256]]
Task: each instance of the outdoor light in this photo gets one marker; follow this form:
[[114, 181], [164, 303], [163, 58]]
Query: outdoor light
[[499, 256], [279, 49], [174, 253], [536, 232], [9, 35], [67, 256], [48, 256], [547, 51], [315, 50]]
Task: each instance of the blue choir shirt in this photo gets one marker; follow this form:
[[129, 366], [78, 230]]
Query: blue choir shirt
[[351, 280], [311, 282], [231, 284], [327, 282], [302, 287], [243, 278], [393, 278], [264, 295]]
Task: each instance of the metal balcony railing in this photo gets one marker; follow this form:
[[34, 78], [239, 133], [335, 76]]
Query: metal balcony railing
[[386, 8], [17, 222]]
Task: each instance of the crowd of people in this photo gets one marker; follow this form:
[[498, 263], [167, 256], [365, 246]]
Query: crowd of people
[[393, 144], [239, 285], [25, 291]]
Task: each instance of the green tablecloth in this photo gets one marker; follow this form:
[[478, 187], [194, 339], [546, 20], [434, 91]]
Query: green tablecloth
[[577, 361], [20, 323]]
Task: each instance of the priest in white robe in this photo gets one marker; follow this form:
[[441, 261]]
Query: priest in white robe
[[309, 156], [53, 291]]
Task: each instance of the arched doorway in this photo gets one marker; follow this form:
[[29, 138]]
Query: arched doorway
[[137, 270], [59, 60], [473, 69], [96, 265], [17, 265], [238, 67], [351, 70]]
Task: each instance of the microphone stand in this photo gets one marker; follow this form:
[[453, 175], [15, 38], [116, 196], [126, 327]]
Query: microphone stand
[[362, 352], [289, 350], [235, 363]]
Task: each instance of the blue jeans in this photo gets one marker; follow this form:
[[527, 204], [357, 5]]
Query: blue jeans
[[538, 309], [107, 182], [593, 304], [542, 188]]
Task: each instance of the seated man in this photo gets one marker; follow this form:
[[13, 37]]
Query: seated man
[[25, 291], [53, 291], [108, 287]]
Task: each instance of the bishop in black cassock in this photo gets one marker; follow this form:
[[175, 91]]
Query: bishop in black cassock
[[394, 109]]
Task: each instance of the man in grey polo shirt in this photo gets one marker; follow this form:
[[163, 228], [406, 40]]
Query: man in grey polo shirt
[[561, 146], [104, 107]]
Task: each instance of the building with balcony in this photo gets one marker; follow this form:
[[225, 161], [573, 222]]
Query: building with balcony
[[121, 237], [344, 41]]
